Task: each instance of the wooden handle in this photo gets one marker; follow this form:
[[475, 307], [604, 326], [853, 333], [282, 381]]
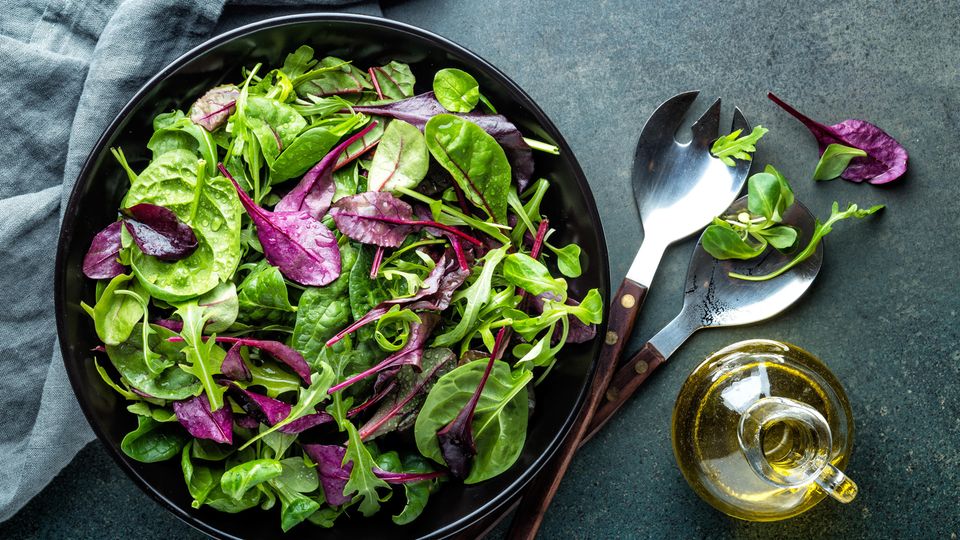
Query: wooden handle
[[625, 382], [538, 495]]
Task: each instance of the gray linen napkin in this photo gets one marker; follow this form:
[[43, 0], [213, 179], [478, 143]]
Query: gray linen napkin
[[66, 67]]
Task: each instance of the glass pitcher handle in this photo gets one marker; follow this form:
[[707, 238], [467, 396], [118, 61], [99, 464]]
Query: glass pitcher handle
[[836, 484]]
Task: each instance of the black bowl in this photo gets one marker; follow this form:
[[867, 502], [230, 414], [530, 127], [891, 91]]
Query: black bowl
[[368, 41]]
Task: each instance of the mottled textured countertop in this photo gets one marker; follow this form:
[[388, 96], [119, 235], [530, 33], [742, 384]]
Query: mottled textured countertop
[[882, 315]]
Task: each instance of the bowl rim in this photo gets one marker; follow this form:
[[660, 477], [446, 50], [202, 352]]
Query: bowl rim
[[492, 505]]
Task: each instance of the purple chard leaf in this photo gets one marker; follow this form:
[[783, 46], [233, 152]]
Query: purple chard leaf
[[302, 247], [101, 262], [333, 474], [886, 159], [265, 410], [195, 415], [278, 350], [159, 232], [315, 191], [379, 218], [233, 366], [214, 107]]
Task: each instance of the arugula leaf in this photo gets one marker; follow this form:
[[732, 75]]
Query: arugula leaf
[[362, 480], [299, 62], [306, 404], [821, 230], [834, 161], [456, 90], [204, 357], [728, 147], [476, 296]]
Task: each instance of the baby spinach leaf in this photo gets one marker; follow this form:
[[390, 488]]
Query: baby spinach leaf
[[731, 146], [153, 441], [171, 383], [393, 81], [474, 159], [236, 481], [101, 260], [220, 501], [274, 123], [401, 159], [115, 315], [417, 492], [320, 314], [294, 507], [262, 296], [723, 242], [203, 422], [886, 159], [362, 479], [499, 423], [304, 249], [835, 159], [209, 206], [302, 153], [475, 296], [530, 275], [199, 479], [158, 232], [456, 90], [215, 106], [298, 476]]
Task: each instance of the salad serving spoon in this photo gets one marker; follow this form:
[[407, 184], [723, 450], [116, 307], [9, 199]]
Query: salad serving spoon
[[679, 187], [712, 298]]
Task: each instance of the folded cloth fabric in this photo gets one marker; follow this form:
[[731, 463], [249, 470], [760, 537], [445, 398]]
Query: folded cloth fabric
[[66, 68]]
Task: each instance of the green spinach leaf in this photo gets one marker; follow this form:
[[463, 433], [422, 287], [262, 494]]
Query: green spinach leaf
[[115, 315], [262, 296], [456, 90], [171, 383], [499, 422], [153, 441], [236, 481], [199, 479], [475, 159]]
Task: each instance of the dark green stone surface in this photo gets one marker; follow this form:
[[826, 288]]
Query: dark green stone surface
[[883, 314]]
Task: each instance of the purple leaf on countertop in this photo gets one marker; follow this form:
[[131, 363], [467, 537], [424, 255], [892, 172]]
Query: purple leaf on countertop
[[233, 365], [195, 415], [303, 248], [101, 262], [159, 232], [264, 409], [315, 191], [419, 109], [333, 474], [379, 218], [410, 354], [401, 406], [214, 107], [886, 159]]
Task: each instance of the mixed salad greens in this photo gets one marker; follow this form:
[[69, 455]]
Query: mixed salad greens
[[324, 292]]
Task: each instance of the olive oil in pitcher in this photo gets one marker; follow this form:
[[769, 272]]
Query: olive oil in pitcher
[[761, 430]]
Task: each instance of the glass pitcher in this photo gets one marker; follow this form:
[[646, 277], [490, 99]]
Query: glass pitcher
[[761, 431]]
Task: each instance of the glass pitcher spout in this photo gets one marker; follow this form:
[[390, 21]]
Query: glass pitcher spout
[[788, 444]]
